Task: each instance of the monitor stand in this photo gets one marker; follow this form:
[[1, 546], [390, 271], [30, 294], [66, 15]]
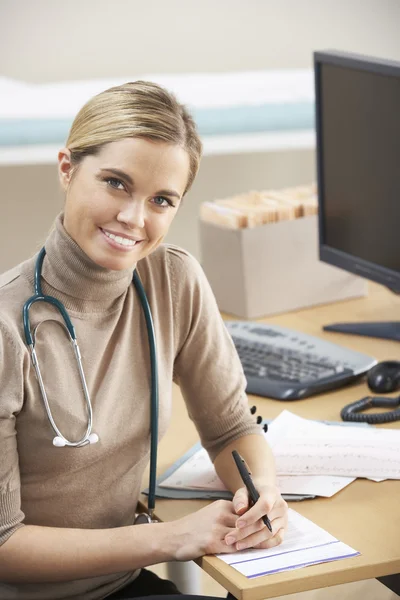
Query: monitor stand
[[387, 330]]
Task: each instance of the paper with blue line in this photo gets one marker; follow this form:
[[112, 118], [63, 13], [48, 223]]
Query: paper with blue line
[[305, 544]]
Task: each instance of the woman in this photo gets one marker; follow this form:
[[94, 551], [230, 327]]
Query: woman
[[66, 513]]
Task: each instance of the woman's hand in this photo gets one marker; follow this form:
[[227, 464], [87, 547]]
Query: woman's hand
[[250, 531], [205, 531]]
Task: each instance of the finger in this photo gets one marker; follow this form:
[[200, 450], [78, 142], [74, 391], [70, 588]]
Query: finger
[[218, 544], [224, 548], [273, 541], [280, 507], [285, 516], [229, 521], [236, 535], [262, 541], [278, 524], [230, 516], [244, 534], [240, 501], [278, 511], [260, 509], [269, 504], [259, 537], [228, 539], [225, 512]]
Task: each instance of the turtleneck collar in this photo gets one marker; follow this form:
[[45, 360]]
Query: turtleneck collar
[[82, 285]]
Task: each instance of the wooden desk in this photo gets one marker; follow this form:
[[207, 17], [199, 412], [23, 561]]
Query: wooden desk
[[365, 515]]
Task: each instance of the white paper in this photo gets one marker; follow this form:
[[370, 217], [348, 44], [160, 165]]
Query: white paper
[[198, 473], [303, 447], [312, 485], [305, 544]]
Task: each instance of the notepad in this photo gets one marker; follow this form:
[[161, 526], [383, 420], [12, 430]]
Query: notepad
[[305, 544]]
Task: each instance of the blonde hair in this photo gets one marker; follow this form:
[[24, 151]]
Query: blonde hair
[[138, 109]]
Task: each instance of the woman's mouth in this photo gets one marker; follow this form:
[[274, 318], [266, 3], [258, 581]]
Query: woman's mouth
[[119, 242]]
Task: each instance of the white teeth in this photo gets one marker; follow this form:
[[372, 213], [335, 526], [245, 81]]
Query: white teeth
[[119, 239]]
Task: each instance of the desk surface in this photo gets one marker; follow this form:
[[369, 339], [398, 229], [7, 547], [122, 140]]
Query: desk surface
[[365, 515]]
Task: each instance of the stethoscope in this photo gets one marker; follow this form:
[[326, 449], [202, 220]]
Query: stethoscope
[[90, 437]]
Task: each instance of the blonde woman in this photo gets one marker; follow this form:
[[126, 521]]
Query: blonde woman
[[67, 502]]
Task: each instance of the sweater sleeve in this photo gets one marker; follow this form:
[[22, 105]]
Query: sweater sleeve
[[207, 367], [11, 397]]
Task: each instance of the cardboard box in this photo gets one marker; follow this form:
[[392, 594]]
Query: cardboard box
[[271, 269]]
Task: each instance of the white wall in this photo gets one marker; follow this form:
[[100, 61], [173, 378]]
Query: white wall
[[45, 40]]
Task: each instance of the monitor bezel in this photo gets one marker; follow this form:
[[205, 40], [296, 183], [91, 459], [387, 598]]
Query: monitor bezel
[[328, 254]]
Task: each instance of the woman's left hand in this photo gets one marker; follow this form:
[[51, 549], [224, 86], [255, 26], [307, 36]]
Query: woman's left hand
[[251, 532]]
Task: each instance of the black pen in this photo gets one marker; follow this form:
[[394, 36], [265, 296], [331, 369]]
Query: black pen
[[245, 474]]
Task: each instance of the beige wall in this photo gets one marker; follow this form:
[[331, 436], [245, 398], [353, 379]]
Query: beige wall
[[45, 40]]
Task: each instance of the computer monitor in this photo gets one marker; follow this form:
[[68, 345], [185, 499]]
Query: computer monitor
[[358, 170]]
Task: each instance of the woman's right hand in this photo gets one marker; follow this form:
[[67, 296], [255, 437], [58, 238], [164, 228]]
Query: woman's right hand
[[204, 531]]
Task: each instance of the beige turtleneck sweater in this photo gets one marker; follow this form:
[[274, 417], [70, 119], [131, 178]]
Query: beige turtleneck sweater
[[97, 486]]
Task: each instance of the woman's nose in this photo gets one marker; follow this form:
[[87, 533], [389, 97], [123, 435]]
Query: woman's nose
[[133, 215]]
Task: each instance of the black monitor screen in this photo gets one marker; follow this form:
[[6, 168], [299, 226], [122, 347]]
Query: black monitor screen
[[359, 166]]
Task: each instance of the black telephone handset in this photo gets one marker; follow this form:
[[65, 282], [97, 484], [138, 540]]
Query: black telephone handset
[[383, 378]]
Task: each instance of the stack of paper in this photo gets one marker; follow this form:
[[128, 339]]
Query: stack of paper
[[304, 447], [198, 473], [305, 544], [312, 459]]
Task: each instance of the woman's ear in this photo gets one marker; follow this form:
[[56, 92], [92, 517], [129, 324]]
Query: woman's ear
[[64, 168]]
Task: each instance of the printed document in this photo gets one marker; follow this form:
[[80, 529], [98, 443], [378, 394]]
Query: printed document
[[304, 447], [311, 458], [198, 473], [305, 544]]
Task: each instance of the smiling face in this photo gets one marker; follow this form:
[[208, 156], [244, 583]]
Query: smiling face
[[121, 202]]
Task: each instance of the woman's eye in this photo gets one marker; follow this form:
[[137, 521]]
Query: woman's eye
[[161, 201], [115, 183]]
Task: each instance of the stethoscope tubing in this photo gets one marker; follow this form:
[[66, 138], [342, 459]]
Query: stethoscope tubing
[[154, 396], [154, 400]]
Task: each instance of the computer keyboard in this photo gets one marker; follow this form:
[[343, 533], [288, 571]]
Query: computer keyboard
[[288, 365]]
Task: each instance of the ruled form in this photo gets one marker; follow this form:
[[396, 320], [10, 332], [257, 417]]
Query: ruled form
[[305, 544]]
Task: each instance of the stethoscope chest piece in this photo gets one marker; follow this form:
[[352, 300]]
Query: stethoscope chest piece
[[60, 441], [143, 518]]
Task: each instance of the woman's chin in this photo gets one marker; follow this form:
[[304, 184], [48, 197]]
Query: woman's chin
[[108, 257], [106, 260]]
